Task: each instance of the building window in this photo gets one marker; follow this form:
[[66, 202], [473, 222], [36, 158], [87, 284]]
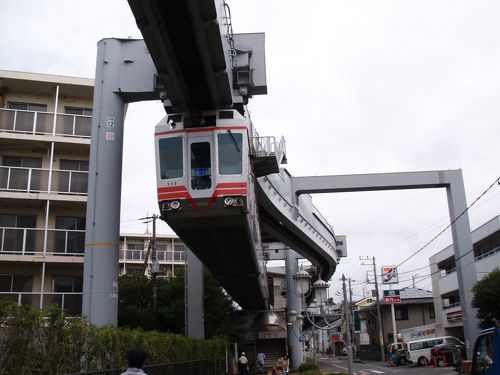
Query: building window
[[78, 111], [70, 234], [75, 180], [25, 117], [67, 284], [135, 251], [16, 283], [14, 231], [62, 286], [19, 176], [401, 312], [432, 312], [28, 107]]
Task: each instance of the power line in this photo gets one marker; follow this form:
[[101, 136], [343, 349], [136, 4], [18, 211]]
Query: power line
[[449, 225]]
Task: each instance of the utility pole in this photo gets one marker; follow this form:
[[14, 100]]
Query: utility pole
[[379, 314], [350, 363], [155, 267], [413, 279], [350, 313]]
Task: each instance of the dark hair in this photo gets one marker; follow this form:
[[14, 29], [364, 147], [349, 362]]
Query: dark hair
[[136, 358]]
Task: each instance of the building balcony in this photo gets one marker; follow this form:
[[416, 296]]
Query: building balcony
[[487, 262], [42, 123], [36, 180], [452, 315], [71, 302], [448, 281], [32, 241], [131, 256]]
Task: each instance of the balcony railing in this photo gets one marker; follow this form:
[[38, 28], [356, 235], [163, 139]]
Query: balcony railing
[[71, 302], [487, 254], [31, 241], [446, 271], [162, 256], [29, 122], [36, 180]]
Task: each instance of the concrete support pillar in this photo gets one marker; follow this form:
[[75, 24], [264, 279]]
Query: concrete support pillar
[[194, 308], [295, 351], [102, 237]]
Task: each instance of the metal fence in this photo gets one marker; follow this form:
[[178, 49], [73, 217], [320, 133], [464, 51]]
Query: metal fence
[[197, 367]]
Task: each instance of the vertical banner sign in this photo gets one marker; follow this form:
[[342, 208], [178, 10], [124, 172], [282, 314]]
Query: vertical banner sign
[[389, 275]]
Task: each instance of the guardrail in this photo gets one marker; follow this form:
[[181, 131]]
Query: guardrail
[[30, 122], [69, 301], [267, 145], [487, 254], [30, 241], [36, 180], [161, 256]]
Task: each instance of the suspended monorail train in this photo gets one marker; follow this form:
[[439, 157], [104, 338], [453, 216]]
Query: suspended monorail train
[[207, 195]]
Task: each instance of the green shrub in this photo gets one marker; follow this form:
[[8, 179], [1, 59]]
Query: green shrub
[[46, 343], [309, 369]]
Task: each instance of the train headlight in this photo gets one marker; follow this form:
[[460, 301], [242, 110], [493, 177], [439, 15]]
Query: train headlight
[[228, 201], [233, 202], [175, 205], [165, 206]]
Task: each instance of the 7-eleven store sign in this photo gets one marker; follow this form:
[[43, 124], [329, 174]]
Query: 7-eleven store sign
[[389, 275]]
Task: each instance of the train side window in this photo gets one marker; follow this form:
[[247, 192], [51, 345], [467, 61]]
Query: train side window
[[170, 155], [201, 173], [230, 160]]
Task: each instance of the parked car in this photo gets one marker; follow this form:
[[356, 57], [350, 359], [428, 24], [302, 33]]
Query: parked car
[[397, 353], [447, 354]]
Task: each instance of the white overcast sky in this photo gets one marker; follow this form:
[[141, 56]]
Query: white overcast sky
[[353, 86]]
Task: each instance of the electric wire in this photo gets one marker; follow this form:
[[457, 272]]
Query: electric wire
[[452, 222]]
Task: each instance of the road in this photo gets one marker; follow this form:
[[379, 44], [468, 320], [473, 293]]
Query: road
[[333, 364]]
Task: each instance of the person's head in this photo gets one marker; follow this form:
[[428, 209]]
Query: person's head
[[243, 353], [136, 358]]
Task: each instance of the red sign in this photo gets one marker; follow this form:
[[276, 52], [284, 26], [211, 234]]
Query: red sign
[[392, 299], [335, 337]]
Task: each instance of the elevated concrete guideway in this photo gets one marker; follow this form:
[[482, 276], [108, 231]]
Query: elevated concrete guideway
[[452, 180]]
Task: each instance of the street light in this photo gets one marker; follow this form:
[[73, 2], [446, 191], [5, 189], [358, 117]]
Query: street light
[[302, 281]]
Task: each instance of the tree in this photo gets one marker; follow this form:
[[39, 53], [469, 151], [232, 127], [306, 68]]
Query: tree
[[135, 306], [487, 298]]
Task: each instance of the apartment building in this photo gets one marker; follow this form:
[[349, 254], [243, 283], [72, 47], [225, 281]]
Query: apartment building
[[486, 247], [45, 125]]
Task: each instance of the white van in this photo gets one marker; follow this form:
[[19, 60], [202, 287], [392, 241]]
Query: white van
[[419, 351]]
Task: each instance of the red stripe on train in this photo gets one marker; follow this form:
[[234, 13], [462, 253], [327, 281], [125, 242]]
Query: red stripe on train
[[168, 189]]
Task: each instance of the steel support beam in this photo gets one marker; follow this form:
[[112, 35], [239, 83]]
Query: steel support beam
[[195, 321], [452, 180]]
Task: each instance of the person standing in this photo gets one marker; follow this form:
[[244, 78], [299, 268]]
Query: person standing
[[242, 364], [261, 358], [136, 359], [286, 364]]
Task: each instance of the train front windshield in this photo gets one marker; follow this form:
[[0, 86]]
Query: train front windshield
[[230, 160], [170, 150]]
